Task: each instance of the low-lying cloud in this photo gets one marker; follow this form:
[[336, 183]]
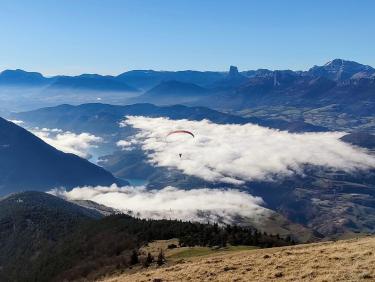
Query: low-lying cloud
[[202, 205], [239, 153], [126, 145], [16, 121], [69, 142]]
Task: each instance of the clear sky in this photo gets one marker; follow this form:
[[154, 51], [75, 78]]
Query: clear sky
[[112, 36]]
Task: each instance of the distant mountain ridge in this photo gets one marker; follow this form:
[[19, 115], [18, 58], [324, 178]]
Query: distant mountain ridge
[[104, 119], [342, 90], [233, 79], [339, 95], [171, 92], [22, 78], [337, 70], [146, 79], [93, 82], [90, 82]]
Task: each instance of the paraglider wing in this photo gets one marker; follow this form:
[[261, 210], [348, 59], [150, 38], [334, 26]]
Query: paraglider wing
[[181, 131]]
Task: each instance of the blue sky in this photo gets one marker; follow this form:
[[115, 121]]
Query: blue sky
[[112, 36]]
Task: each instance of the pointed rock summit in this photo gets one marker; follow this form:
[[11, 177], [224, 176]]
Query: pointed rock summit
[[232, 79], [233, 71]]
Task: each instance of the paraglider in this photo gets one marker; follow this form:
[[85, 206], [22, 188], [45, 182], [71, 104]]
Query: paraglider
[[181, 132]]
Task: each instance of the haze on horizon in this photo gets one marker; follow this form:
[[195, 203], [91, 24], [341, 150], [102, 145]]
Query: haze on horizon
[[74, 37]]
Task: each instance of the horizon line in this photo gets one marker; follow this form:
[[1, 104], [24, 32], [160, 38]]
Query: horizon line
[[175, 70]]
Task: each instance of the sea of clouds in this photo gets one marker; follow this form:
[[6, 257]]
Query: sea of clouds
[[202, 205], [227, 153], [68, 142], [79, 144], [232, 153]]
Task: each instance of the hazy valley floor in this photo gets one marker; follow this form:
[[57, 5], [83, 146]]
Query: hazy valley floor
[[347, 260]]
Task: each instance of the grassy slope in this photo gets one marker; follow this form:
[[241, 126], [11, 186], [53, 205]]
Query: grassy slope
[[185, 253], [349, 260], [176, 254]]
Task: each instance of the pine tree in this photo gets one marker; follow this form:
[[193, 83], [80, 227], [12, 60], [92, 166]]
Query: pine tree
[[134, 258], [161, 258], [149, 259]]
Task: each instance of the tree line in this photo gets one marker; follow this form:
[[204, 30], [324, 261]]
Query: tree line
[[112, 243]]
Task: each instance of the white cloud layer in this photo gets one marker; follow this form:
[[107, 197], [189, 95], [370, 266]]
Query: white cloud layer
[[239, 153], [16, 121], [68, 142], [126, 145], [202, 205]]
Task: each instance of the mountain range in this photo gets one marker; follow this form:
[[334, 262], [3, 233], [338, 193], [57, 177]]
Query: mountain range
[[94, 82], [288, 88], [338, 95], [336, 70], [146, 79], [102, 119], [89, 82], [339, 70], [171, 90]]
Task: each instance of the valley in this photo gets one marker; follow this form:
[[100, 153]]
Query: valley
[[165, 141], [288, 154]]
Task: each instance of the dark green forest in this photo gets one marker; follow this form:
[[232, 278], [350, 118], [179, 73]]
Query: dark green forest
[[44, 238], [108, 244]]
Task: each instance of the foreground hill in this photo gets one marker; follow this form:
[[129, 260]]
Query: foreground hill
[[45, 238], [350, 260], [30, 223], [28, 163]]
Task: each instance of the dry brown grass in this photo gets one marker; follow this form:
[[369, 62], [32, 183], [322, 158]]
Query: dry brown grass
[[349, 260]]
